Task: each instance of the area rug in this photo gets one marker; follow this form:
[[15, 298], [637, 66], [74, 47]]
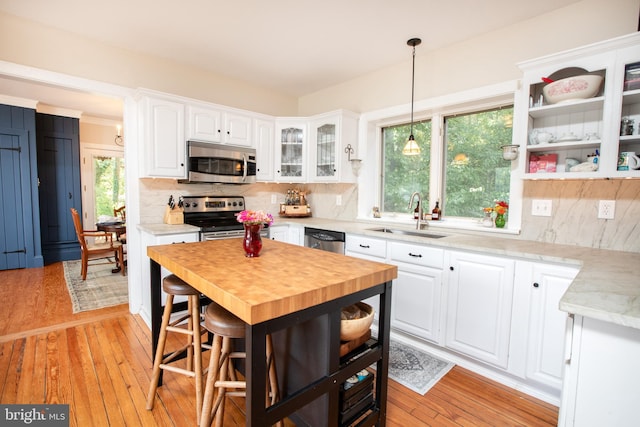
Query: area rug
[[415, 369], [101, 289]]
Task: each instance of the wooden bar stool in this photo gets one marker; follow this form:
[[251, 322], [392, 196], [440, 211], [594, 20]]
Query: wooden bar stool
[[221, 374], [173, 285]]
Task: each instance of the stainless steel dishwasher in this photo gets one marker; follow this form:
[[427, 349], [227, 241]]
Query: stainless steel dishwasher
[[325, 240]]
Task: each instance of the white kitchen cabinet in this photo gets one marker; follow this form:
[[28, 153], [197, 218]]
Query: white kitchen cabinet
[[204, 124], [581, 127], [329, 135], [480, 290], [601, 376], [416, 296], [163, 150], [291, 150], [238, 129], [149, 239], [264, 132], [210, 124], [287, 233], [371, 249], [546, 333], [279, 233]]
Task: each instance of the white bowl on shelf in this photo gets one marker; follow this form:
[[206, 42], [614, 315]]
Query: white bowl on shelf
[[572, 89]]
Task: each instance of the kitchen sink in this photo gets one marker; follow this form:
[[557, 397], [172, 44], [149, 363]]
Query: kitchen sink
[[408, 233]]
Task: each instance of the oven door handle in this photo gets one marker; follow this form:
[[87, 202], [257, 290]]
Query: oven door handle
[[244, 169]]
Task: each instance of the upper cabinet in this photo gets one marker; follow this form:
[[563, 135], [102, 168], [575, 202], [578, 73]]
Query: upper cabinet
[[264, 132], [577, 136], [291, 150], [164, 149], [330, 134], [295, 149], [209, 124]]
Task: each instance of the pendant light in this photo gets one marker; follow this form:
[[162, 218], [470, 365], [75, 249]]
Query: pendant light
[[411, 148]]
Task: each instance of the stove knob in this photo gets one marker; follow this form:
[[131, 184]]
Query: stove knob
[[187, 204], [194, 204], [235, 203]]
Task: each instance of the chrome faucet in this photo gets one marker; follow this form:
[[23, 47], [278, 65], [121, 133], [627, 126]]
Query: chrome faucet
[[419, 220]]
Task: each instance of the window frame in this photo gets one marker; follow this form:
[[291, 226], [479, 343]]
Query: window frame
[[435, 109]]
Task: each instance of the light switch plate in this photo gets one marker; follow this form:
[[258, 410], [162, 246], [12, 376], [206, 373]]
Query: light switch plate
[[339, 200], [541, 207]]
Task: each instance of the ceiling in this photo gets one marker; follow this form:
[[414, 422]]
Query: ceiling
[[293, 47]]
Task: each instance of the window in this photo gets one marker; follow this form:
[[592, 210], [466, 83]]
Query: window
[[103, 181], [476, 175], [109, 184], [473, 173], [402, 175]]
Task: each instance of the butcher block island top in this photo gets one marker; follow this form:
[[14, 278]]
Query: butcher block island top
[[296, 293], [284, 279]]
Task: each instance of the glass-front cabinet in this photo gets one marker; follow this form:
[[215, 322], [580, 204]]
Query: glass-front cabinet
[[323, 150], [291, 143], [580, 112], [330, 134]]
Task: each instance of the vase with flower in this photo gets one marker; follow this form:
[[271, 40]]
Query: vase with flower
[[487, 221], [500, 210], [253, 222]]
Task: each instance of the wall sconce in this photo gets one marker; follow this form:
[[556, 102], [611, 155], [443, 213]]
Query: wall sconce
[[355, 163], [510, 152], [118, 139]]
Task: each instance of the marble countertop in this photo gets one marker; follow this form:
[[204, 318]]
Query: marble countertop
[[606, 288], [167, 229]]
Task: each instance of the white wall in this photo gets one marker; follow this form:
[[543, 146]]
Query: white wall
[[27, 43], [488, 59]]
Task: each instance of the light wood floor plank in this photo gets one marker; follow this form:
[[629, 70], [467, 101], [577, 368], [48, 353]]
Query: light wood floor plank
[[85, 383], [100, 364]]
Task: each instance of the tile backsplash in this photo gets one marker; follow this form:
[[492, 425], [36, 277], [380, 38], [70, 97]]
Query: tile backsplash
[[574, 219], [154, 195]]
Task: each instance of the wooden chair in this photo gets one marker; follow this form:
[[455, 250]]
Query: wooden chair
[[96, 250], [120, 213]]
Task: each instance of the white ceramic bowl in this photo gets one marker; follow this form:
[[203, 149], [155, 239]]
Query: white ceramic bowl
[[572, 88], [355, 328]]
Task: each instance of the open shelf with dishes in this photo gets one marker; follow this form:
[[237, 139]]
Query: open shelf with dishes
[[565, 138], [593, 123]]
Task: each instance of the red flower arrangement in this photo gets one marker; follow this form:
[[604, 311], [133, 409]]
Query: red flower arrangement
[[501, 207]]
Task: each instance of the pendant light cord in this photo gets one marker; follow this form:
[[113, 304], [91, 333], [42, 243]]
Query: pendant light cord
[[413, 76]]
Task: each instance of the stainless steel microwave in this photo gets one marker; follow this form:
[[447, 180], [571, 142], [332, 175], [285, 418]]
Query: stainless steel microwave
[[218, 163]]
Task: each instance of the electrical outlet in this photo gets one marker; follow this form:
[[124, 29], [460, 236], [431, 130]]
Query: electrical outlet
[[541, 207], [339, 200], [606, 209], [274, 199]]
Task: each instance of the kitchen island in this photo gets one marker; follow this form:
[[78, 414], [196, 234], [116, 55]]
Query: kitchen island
[[285, 286]]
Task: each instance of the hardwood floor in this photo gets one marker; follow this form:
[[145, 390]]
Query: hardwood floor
[[99, 363]]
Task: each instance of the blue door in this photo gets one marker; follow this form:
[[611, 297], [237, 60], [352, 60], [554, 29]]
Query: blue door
[[58, 148], [13, 147]]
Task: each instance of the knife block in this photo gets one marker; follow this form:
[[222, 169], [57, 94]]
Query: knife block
[[173, 216]]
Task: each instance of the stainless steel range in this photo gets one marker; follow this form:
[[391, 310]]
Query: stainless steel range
[[216, 216]]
